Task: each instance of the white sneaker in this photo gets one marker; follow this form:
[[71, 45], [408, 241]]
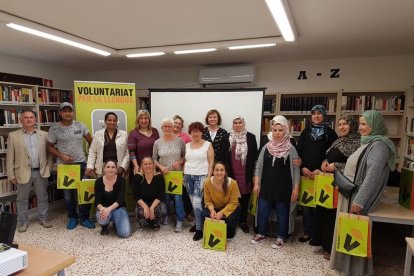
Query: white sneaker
[[258, 238], [178, 226], [278, 243]]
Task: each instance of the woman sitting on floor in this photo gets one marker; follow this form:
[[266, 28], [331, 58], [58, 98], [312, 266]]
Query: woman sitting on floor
[[221, 198], [110, 201], [149, 193]]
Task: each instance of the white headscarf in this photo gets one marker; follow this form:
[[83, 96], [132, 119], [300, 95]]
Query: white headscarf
[[240, 140], [279, 148]]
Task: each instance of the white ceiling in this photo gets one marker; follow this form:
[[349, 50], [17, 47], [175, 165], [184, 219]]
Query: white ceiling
[[325, 29]]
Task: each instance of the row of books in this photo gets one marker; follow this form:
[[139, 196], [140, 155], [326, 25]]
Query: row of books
[[3, 143], [3, 171], [6, 186], [380, 103], [409, 148], [409, 125], [48, 116], [10, 94], [9, 117], [305, 104], [269, 105], [54, 96], [295, 124]]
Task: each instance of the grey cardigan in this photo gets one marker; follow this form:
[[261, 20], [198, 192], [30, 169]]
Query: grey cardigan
[[372, 176], [294, 171]]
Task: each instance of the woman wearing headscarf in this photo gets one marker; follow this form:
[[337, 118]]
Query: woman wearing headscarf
[[371, 178], [336, 156], [314, 140], [276, 181], [240, 158]]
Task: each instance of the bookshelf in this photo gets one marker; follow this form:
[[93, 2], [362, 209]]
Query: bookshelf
[[296, 106], [144, 103], [44, 101], [408, 152]]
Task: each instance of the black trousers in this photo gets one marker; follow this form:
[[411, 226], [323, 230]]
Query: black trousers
[[244, 207], [232, 221], [324, 225]]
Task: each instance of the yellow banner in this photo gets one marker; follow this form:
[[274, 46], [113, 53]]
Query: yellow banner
[[86, 191], [324, 191], [68, 176], [253, 204], [174, 182], [307, 192], [215, 234], [94, 99], [353, 235]]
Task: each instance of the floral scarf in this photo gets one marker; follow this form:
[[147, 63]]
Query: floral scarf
[[239, 139]]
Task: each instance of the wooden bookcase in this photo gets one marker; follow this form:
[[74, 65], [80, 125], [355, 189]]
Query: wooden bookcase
[[296, 106], [44, 101]]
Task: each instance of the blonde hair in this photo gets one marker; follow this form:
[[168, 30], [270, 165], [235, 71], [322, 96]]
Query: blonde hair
[[143, 113], [141, 171]]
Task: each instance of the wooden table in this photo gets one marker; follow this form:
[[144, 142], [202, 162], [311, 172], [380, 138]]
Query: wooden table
[[45, 262], [388, 210]]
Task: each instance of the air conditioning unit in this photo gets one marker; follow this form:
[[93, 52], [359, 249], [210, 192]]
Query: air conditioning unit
[[227, 75]]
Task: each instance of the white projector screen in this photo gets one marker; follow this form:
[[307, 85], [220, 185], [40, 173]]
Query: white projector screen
[[192, 105]]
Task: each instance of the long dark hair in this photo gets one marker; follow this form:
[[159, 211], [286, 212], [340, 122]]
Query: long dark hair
[[224, 186]]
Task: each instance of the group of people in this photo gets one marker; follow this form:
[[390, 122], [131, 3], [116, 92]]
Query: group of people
[[220, 171]]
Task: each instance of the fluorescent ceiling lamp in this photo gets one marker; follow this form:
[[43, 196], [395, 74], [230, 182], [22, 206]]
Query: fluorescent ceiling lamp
[[241, 47], [58, 39], [195, 51], [153, 54], [280, 16]]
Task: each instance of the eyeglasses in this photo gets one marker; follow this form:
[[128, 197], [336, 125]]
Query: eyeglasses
[[167, 126]]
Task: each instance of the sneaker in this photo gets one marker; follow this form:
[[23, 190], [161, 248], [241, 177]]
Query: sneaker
[[72, 223], [192, 229], [45, 223], [244, 227], [88, 223], [198, 235], [22, 227], [104, 230], [178, 226], [258, 238], [278, 243]]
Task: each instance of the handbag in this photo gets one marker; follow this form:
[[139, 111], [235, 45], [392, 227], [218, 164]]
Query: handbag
[[345, 186]]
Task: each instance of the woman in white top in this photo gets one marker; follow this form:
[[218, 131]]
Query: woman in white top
[[109, 143], [199, 158]]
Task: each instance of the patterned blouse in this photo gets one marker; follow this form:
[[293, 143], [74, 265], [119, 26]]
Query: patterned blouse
[[217, 143]]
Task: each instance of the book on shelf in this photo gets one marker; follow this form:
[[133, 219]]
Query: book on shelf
[[360, 103], [3, 143], [54, 96], [6, 186], [10, 117], [305, 104], [12, 94], [3, 166]]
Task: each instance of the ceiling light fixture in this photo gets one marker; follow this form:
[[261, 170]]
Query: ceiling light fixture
[[58, 39], [195, 51], [242, 47], [279, 14], [153, 54]]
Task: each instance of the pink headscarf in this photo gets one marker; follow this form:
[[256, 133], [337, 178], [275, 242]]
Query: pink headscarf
[[279, 148]]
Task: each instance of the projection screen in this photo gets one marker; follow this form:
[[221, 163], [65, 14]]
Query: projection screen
[[193, 104]]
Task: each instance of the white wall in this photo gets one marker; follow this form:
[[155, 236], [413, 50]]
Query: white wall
[[374, 73], [62, 77]]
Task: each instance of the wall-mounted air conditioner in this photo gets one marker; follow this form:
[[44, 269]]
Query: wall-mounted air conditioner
[[227, 75]]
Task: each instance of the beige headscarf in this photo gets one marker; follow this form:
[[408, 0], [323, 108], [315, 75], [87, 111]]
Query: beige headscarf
[[279, 148]]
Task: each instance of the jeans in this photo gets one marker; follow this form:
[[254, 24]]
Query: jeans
[[282, 211], [231, 221], [195, 186], [179, 205], [307, 219], [71, 201], [23, 194], [121, 221]]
